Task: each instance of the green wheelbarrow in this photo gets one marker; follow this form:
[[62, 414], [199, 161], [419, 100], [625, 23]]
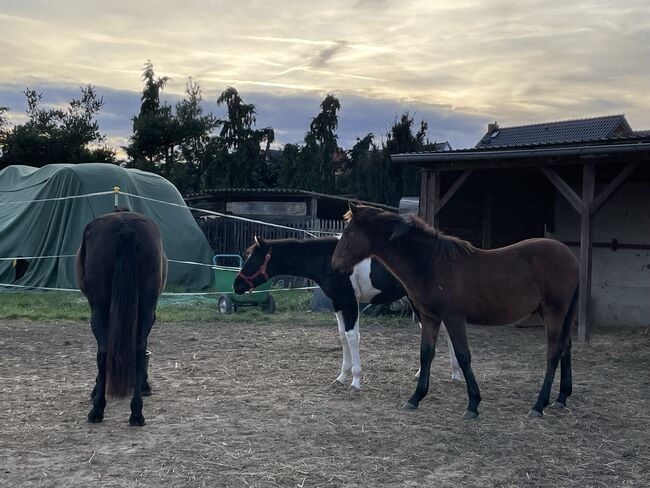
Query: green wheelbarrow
[[228, 301]]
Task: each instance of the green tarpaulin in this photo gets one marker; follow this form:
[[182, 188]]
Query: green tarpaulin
[[53, 228]]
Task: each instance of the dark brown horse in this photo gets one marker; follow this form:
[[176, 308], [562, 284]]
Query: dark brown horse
[[122, 269], [450, 280]]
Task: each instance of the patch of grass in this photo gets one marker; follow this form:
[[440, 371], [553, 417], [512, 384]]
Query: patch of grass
[[291, 306]]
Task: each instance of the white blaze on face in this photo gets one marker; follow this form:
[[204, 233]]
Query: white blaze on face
[[360, 279]]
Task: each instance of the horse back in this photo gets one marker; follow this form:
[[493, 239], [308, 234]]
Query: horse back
[[101, 239]]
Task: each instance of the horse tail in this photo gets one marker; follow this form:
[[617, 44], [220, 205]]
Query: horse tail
[[123, 318], [568, 319]]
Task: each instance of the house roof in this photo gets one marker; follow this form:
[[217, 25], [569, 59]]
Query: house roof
[[551, 133]]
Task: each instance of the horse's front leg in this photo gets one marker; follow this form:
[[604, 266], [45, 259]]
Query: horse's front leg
[[351, 321], [455, 368], [99, 325], [456, 328], [430, 328], [346, 364]]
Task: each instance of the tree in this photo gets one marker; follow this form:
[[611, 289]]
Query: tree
[[153, 128], [194, 131], [57, 135], [236, 155], [321, 144]]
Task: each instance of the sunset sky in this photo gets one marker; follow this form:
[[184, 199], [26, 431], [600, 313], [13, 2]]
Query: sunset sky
[[458, 64]]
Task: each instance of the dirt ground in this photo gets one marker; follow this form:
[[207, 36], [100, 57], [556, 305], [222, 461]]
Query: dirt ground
[[252, 405]]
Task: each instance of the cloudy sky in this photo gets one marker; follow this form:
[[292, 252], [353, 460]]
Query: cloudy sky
[[456, 63]]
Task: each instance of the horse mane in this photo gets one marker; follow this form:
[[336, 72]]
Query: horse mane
[[447, 246]]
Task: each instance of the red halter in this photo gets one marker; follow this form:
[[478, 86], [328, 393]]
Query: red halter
[[261, 271]]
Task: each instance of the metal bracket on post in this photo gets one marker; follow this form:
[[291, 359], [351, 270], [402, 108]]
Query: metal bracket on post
[[116, 189]]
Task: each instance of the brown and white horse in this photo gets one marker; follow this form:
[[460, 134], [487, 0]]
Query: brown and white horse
[[450, 280]]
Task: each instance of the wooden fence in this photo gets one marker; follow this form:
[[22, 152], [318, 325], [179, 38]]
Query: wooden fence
[[230, 236]]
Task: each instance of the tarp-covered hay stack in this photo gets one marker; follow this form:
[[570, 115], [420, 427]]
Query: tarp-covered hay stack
[[55, 227]]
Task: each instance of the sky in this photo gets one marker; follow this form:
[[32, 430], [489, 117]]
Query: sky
[[458, 64]]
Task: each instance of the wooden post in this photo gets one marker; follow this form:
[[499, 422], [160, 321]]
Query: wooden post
[[429, 196], [586, 240], [487, 212]]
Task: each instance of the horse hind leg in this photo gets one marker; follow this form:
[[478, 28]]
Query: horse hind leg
[[566, 383], [99, 326], [553, 321], [145, 323]]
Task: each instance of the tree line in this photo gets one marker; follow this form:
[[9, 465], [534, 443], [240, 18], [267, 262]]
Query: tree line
[[198, 151]]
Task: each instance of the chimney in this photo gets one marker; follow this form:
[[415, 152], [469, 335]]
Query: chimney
[[492, 128]]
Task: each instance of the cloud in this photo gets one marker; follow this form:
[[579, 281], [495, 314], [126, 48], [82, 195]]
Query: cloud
[[324, 55], [516, 62]]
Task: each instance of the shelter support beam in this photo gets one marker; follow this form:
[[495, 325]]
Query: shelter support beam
[[429, 196], [611, 188], [431, 203], [586, 240], [563, 187]]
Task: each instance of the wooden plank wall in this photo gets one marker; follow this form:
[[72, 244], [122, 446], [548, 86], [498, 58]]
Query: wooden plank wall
[[230, 236]]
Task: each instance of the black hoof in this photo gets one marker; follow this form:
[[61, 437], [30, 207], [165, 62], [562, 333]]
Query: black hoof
[[95, 417], [469, 415], [558, 405], [409, 406], [136, 420], [336, 385], [534, 414]]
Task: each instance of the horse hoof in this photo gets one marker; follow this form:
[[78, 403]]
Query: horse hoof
[[136, 420], [409, 406], [416, 377], [336, 384], [95, 417], [468, 415], [534, 414], [354, 392], [455, 377]]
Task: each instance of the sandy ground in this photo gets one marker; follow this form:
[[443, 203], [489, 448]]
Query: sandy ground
[[237, 405]]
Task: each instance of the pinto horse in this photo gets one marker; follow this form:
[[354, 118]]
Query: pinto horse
[[121, 269], [449, 279], [367, 282]]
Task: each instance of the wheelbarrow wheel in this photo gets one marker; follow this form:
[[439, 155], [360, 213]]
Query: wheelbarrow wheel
[[225, 304], [269, 305]]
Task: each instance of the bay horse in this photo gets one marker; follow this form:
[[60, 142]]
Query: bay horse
[[367, 282], [449, 279], [121, 268]]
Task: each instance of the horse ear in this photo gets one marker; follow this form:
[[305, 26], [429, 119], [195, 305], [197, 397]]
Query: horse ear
[[260, 241], [402, 228], [353, 207]]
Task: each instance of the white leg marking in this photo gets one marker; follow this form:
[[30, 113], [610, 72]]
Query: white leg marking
[[455, 368], [346, 365], [353, 344]]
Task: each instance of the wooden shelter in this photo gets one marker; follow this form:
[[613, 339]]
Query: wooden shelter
[[526, 167]]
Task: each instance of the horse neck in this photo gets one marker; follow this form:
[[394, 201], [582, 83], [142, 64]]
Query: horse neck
[[407, 259], [309, 259]]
